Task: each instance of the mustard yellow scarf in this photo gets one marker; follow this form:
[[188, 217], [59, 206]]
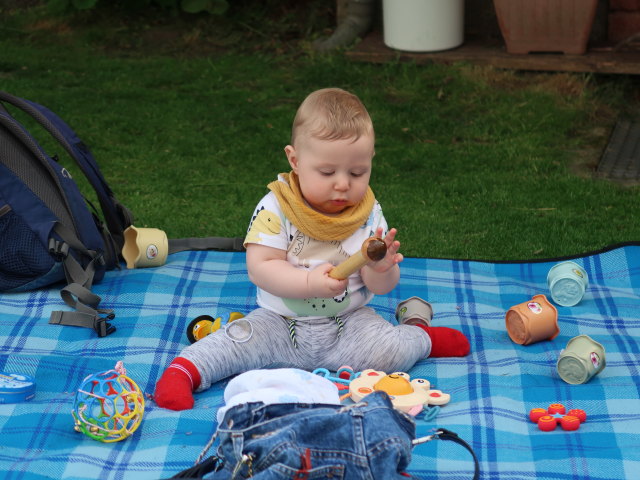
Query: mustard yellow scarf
[[315, 224]]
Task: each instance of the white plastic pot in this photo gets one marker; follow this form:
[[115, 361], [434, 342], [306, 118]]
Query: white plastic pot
[[423, 25]]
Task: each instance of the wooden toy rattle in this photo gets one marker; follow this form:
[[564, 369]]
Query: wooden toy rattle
[[373, 250]]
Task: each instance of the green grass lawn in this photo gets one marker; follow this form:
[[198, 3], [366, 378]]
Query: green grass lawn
[[470, 163]]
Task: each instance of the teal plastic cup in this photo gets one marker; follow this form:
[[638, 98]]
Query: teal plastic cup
[[567, 283]]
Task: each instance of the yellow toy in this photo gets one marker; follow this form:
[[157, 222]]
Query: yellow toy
[[204, 325], [108, 406], [409, 396]]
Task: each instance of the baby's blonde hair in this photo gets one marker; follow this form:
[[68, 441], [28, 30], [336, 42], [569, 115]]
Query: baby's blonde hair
[[331, 114]]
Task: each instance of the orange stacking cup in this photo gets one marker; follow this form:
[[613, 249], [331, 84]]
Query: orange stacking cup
[[532, 321]]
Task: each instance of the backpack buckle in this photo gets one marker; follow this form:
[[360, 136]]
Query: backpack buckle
[[60, 250], [99, 258], [102, 327], [85, 319]]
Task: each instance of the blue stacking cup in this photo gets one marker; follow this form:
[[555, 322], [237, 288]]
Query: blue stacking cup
[[567, 282]]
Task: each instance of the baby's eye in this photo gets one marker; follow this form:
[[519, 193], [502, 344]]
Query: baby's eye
[[357, 174], [326, 173]]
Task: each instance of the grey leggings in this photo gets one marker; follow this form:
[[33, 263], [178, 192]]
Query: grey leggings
[[261, 340]]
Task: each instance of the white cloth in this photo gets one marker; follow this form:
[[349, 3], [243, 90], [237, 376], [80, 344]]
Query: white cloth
[[281, 385]]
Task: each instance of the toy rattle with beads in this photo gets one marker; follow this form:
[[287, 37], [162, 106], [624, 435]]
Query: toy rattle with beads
[[108, 406], [373, 250]]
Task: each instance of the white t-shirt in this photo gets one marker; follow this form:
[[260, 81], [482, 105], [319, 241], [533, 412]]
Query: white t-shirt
[[270, 227]]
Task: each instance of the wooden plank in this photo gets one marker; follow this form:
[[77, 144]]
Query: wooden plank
[[485, 52]]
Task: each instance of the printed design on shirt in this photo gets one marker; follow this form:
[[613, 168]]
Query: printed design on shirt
[[306, 253], [264, 222], [314, 307], [306, 248]]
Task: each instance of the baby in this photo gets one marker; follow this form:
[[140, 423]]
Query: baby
[[314, 217]]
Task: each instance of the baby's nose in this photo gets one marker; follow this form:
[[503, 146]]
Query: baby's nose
[[342, 183]]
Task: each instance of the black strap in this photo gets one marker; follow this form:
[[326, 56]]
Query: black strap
[[87, 313], [444, 434], [77, 294], [233, 244], [199, 470]]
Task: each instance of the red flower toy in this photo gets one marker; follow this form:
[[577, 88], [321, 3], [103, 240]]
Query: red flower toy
[[548, 419]]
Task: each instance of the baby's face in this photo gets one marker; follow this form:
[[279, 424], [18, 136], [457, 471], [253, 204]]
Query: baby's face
[[334, 174]]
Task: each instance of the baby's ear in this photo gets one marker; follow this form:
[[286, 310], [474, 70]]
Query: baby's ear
[[290, 152]]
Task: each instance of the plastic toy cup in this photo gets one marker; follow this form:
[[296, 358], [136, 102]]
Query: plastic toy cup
[[532, 321], [145, 247], [412, 310], [581, 360], [567, 282]]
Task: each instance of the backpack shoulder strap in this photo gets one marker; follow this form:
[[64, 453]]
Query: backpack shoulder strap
[[116, 215], [87, 313], [77, 294]]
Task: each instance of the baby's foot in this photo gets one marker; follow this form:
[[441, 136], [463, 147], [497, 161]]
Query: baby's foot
[[175, 387], [447, 342]]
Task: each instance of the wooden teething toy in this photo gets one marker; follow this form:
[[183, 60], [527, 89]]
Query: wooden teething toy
[[373, 250]]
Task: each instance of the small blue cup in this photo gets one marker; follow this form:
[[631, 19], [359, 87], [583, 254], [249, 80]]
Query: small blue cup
[[567, 282]]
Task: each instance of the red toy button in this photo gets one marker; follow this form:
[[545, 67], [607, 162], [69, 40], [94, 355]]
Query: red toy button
[[570, 423], [547, 423], [536, 413], [581, 414], [556, 408]]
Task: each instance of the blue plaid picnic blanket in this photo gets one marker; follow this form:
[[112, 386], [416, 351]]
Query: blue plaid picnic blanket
[[492, 390]]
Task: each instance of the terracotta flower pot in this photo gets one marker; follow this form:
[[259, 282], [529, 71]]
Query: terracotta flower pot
[[546, 25]]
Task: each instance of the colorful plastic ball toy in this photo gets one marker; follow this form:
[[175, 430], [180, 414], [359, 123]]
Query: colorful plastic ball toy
[[108, 406]]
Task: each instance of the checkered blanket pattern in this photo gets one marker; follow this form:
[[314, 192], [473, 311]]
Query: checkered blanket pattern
[[492, 389]]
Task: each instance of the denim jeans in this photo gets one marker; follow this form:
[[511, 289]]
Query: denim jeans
[[367, 440]]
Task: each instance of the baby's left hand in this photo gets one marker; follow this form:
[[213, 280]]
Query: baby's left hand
[[392, 257]]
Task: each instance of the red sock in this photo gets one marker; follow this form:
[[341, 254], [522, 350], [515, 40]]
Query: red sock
[[447, 342], [175, 387]]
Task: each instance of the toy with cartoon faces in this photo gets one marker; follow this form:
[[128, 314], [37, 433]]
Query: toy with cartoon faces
[[409, 396]]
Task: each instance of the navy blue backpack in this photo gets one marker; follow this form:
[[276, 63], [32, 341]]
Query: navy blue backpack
[[48, 232]]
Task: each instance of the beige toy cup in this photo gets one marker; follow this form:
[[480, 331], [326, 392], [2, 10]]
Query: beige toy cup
[[581, 360], [145, 247], [532, 321], [414, 311]]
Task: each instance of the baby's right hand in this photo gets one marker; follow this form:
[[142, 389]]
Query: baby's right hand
[[320, 284]]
